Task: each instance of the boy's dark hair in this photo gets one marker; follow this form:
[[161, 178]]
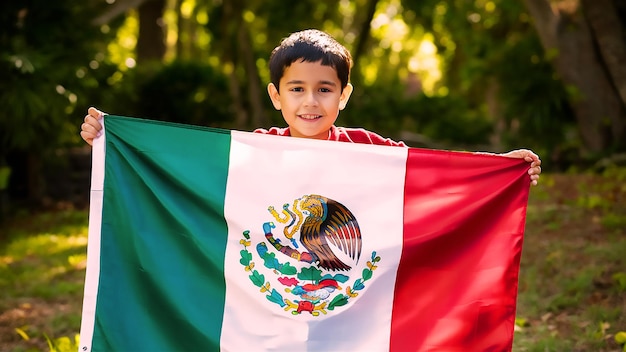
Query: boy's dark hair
[[310, 45]]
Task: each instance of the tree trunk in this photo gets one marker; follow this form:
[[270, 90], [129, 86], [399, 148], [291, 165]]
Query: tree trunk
[[151, 39], [364, 32], [599, 111], [231, 21], [255, 94], [25, 184], [610, 35], [494, 109]]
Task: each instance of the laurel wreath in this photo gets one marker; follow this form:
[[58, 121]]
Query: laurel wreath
[[310, 273]]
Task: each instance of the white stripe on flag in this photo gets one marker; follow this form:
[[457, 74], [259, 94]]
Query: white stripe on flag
[[271, 171], [92, 275]]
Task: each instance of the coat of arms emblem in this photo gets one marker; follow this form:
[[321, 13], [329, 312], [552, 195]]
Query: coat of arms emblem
[[319, 246]]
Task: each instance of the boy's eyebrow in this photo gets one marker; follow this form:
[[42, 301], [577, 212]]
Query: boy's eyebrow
[[329, 83]]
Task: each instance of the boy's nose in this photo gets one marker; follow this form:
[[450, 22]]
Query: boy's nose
[[310, 99]]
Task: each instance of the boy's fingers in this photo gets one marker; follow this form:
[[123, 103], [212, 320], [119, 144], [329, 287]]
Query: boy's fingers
[[97, 114], [89, 128], [87, 137], [93, 112], [92, 122]]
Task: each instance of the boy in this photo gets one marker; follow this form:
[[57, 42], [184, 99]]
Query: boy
[[310, 73]]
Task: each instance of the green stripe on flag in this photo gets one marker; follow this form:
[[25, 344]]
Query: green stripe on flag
[[176, 255]]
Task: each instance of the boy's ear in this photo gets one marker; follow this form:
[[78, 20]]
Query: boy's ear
[[345, 95], [272, 91]]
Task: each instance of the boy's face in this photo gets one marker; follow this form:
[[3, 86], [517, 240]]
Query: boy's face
[[310, 98]]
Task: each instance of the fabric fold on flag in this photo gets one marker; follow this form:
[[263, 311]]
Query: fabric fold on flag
[[209, 239]]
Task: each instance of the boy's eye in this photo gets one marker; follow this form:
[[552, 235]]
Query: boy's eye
[[325, 90], [296, 89]]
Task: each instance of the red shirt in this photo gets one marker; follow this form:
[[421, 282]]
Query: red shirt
[[342, 134]]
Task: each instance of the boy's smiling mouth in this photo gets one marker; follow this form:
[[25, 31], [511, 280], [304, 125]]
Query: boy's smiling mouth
[[309, 116]]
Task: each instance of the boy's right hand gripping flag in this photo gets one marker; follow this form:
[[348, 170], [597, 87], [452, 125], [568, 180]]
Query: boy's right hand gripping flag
[[203, 239]]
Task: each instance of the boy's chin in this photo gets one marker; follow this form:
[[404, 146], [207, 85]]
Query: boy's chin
[[310, 135]]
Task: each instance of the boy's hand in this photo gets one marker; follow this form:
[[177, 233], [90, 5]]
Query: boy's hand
[[91, 128], [532, 158]]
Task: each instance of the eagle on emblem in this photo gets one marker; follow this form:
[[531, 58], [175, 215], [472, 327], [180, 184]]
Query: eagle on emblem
[[327, 222]]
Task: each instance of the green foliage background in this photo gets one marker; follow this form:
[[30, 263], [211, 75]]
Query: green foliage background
[[483, 82], [57, 62]]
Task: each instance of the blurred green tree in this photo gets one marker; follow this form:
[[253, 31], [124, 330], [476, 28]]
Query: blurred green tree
[[547, 73], [47, 54], [488, 74]]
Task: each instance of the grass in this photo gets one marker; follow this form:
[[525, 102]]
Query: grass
[[572, 284], [42, 271]]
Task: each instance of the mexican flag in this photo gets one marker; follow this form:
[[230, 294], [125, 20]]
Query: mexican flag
[[203, 240]]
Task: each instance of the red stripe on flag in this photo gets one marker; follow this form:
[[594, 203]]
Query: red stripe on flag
[[464, 218]]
